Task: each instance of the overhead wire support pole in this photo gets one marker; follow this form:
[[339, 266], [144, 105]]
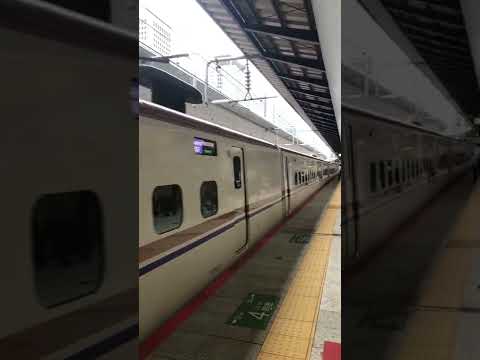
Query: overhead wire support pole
[[217, 60]]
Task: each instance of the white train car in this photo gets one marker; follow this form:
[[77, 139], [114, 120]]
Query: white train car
[[391, 170], [206, 195], [69, 285]]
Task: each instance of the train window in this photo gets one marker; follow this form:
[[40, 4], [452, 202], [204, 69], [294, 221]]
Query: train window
[[404, 171], [382, 174], [237, 172], [417, 168], [167, 208], [296, 178], [373, 177], [208, 198], [67, 234], [397, 172], [390, 172]]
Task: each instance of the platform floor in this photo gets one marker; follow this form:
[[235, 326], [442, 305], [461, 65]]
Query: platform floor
[[290, 286], [420, 297]]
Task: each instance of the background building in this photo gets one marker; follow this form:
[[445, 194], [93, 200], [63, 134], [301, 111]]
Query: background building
[[154, 33]]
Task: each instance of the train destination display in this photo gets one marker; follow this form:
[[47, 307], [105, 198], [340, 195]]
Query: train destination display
[[204, 147]]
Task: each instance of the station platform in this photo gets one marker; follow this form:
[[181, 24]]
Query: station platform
[[419, 298], [281, 300]]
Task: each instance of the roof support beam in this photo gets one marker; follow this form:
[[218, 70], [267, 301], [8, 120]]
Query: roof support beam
[[433, 26], [324, 120], [321, 127], [311, 93], [288, 34], [328, 133], [326, 115], [292, 60], [320, 113], [304, 80], [324, 124], [325, 127], [320, 105], [426, 15]]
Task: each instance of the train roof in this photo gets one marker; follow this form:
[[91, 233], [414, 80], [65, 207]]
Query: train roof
[[63, 25], [152, 109], [385, 118]]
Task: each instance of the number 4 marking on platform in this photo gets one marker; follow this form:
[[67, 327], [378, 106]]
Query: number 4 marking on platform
[[258, 315]]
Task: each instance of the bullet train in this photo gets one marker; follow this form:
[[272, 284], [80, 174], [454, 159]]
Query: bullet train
[[389, 171], [69, 209], [206, 195]]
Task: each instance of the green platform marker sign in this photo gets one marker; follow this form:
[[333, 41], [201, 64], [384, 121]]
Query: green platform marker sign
[[300, 239], [255, 311]]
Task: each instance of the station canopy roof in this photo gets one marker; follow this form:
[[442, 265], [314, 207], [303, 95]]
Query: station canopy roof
[[281, 36], [437, 30]]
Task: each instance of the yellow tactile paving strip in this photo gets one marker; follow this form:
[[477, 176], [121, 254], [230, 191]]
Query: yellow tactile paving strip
[[293, 329]]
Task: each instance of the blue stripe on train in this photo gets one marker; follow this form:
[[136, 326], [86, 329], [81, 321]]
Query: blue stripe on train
[[107, 345], [153, 265]]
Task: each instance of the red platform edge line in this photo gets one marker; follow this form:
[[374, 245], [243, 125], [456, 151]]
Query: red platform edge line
[[159, 335], [332, 351]]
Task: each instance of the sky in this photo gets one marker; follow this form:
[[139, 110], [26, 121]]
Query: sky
[[194, 32]]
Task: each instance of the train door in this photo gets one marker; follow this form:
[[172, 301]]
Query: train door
[[349, 198], [240, 192], [287, 186]]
